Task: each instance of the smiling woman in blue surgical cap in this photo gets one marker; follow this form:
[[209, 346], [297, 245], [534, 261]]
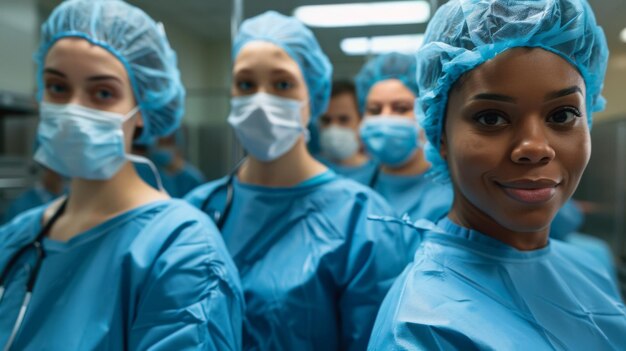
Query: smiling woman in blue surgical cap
[[117, 264], [313, 269], [507, 92]]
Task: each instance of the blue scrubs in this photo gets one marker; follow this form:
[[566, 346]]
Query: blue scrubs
[[416, 196], [362, 174], [31, 198], [468, 291], [176, 184], [314, 270], [156, 277]]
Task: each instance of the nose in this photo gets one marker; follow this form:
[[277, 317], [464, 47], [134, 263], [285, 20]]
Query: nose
[[533, 145], [386, 110]]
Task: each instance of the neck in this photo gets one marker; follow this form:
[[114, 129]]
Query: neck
[[469, 216], [124, 191], [355, 160], [291, 169], [416, 165]]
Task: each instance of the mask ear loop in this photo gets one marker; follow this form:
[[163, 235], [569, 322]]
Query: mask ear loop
[[144, 160], [155, 172]]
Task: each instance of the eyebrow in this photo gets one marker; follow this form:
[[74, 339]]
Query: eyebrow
[[92, 78], [564, 92], [550, 96], [279, 71], [491, 96], [54, 72], [103, 77]]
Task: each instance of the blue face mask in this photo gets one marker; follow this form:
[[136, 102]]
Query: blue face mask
[[80, 142], [390, 140]]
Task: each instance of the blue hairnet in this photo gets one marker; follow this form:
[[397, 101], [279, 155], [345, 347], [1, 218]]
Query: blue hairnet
[[137, 41], [300, 44], [388, 66], [465, 33]]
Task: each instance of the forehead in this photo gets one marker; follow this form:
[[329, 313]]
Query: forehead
[[346, 100], [78, 57], [390, 89], [265, 56], [520, 72]]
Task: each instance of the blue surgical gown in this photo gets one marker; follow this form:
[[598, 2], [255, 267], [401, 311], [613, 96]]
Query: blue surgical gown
[[31, 198], [314, 271], [176, 184], [416, 196], [362, 174], [156, 277], [468, 291]]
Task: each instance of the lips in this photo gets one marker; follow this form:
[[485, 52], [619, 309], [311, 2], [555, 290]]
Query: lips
[[530, 191]]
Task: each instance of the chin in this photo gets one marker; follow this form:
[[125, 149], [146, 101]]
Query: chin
[[526, 222]]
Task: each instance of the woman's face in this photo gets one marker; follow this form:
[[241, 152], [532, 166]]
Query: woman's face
[[77, 72], [390, 97], [516, 141], [263, 67]]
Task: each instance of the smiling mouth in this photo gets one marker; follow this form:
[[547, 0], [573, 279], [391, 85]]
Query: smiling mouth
[[530, 191]]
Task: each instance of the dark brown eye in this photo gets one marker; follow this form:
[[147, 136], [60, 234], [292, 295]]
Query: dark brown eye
[[491, 119], [564, 116]]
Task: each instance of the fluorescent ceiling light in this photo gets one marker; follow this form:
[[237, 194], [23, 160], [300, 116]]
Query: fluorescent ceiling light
[[383, 44], [364, 14], [622, 35]]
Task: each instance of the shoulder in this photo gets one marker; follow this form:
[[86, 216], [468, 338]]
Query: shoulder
[[588, 267], [188, 238], [197, 196], [23, 226], [350, 191]]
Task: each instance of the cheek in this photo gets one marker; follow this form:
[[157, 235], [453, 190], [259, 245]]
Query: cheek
[[129, 131], [305, 113], [472, 157], [574, 152]]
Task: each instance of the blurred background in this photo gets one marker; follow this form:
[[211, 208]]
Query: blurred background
[[200, 31]]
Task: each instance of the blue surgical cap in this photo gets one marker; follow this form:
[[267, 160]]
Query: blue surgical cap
[[138, 42], [388, 66], [300, 44], [465, 33]]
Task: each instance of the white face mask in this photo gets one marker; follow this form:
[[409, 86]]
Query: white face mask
[[267, 126], [80, 142], [338, 143]]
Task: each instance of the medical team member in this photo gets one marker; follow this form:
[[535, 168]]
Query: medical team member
[[507, 90], [386, 90], [117, 264], [341, 148], [313, 268]]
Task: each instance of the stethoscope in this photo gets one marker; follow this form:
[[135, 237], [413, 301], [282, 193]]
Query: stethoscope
[[220, 218], [374, 178], [41, 254]]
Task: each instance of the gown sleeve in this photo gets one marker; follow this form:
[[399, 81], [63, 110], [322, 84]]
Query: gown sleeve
[[376, 256], [192, 298]]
